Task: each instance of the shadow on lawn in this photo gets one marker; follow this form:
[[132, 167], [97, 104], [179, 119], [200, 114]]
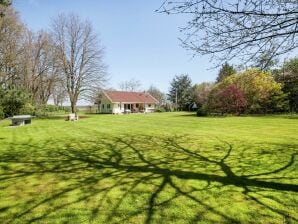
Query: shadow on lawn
[[147, 174]]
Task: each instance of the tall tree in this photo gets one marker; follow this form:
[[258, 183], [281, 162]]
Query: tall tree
[[225, 71], [40, 72], [180, 91], [246, 29], [79, 55], [11, 48]]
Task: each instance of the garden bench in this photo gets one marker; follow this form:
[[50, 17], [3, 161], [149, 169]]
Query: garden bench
[[20, 120]]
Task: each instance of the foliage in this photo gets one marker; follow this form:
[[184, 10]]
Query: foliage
[[5, 2], [288, 76], [2, 115], [230, 100], [200, 93], [13, 101], [180, 91], [265, 61], [259, 87], [202, 112], [225, 71]]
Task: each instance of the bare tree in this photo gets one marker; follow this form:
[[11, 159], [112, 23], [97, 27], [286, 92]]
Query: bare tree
[[11, 48], [40, 72], [157, 94], [80, 56], [246, 29], [59, 93], [131, 85]]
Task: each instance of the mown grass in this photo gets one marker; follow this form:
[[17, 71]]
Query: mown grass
[[154, 168]]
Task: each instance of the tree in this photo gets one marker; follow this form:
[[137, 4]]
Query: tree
[[230, 99], [3, 5], [262, 93], [246, 29], [5, 2], [157, 94], [180, 92], [11, 49], [59, 93], [13, 100], [288, 76], [265, 62], [40, 69], [225, 71], [131, 85], [79, 56], [200, 93]]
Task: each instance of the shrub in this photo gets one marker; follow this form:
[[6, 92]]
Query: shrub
[[202, 112], [1, 113], [13, 101], [160, 110], [28, 108]]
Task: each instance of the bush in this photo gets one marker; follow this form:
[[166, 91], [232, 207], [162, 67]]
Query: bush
[[13, 101], [202, 112], [28, 108], [161, 109], [1, 113]]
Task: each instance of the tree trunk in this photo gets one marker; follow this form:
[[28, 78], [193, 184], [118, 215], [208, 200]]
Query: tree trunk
[[73, 107]]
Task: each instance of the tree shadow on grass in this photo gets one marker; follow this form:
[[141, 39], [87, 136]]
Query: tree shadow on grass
[[145, 179]]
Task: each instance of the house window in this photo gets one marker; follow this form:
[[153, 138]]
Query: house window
[[137, 105], [108, 106], [149, 105], [103, 106]]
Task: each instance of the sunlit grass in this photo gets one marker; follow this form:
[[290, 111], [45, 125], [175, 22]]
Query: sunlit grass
[[154, 168]]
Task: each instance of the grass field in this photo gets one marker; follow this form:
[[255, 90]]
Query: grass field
[[154, 168]]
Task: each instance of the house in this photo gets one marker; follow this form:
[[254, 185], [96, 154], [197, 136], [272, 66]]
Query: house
[[117, 102]]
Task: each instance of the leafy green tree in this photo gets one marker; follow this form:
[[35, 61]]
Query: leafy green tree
[[262, 92], [13, 101], [180, 91], [225, 71], [288, 76]]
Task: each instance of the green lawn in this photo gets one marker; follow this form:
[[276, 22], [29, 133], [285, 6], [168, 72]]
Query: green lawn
[[153, 168]]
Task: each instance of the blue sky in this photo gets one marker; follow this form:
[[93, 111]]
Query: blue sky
[[139, 43]]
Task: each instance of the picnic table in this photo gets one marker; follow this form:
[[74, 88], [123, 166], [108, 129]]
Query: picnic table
[[20, 120]]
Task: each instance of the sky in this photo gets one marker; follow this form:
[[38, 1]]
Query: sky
[[139, 43]]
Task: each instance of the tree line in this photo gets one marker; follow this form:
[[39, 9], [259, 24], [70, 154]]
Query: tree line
[[62, 63], [252, 91]]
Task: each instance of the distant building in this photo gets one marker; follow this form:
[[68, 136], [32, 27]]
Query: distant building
[[117, 102]]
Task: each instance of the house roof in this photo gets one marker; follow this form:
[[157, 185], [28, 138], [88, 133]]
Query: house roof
[[130, 97]]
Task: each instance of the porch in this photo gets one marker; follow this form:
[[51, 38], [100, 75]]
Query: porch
[[133, 107]]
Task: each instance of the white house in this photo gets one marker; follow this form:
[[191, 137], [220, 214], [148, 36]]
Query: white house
[[117, 102]]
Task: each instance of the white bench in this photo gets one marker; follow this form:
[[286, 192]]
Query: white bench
[[73, 117]]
